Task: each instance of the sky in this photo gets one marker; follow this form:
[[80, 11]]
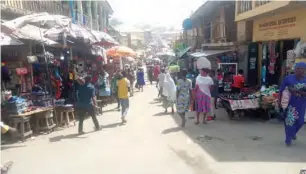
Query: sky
[[168, 13]]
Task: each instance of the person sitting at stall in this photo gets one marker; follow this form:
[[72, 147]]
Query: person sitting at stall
[[238, 82]]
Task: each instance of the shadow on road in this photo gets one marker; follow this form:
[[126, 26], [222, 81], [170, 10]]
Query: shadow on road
[[154, 102], [113, 125], [241, 141], [110, 110], [162, 114], [171, 130], [4, 147]]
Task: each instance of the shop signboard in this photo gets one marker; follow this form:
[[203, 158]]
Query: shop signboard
[[288, 25]]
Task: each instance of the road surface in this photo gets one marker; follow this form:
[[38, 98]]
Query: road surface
[[151, 142]]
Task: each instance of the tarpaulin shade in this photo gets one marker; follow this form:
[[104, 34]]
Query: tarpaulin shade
[[9, 40]]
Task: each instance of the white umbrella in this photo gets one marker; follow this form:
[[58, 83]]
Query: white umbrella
[[203, 62], [103, 37], [8, 40], [44, 20], [156, 59]]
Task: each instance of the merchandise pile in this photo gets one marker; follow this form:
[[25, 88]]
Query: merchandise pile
[[269, 96], [16, 105], [40, 97]]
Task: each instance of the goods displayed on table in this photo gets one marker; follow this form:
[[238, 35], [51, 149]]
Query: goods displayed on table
[[40, 97], [15, 105]]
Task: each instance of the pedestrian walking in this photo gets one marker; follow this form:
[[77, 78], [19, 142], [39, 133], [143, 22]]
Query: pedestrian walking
[[115, 89], [203, 89], [156, 72], [214, 95], [86, 102], [160, 82], [123, 94], [131, 78], [295, 112], [168, 93], [183, 95], [140, 79], [150, 74]]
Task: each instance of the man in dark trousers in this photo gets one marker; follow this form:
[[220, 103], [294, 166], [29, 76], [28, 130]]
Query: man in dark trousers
[[87, 102]]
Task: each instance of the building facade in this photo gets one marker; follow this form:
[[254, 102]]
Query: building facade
[[213, 24], [271, 29], [90, 14]]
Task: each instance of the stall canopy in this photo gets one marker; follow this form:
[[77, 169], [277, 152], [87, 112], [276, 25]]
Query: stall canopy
[[209, 53], [6, 39], [181, 53], [31, 32], [57, 27], [121, 51]]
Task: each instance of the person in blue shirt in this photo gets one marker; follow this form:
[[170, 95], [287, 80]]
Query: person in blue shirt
[[86, 102]]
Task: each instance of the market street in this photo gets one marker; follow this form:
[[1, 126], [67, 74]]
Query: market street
[[152, 142]]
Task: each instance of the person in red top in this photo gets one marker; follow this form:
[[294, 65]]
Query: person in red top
[[238, 82], [156, 72]]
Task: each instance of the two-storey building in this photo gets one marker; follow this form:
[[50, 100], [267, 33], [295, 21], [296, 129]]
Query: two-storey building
[[271, 29], [91, 14]]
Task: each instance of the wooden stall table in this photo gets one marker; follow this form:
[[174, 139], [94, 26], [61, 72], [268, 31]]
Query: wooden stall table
[[64, 115], [22, 121]]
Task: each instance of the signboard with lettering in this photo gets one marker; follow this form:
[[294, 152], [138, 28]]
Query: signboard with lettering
[[289, 25], [244, 104]]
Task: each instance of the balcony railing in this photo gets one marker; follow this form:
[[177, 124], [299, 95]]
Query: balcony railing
[[95, 25], [52, 7], [261, 2], [218, 32], [244, 6]]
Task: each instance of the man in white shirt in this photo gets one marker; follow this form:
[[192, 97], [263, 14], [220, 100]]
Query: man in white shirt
[[160, 82]]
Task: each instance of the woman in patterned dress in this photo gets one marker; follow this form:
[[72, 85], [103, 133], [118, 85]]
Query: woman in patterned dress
[[295, 112], [183, 96], [204, 85]]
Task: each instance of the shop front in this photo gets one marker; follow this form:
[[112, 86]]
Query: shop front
[[275, 40]]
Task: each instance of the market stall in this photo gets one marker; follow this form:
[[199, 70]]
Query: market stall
[[237, 104]]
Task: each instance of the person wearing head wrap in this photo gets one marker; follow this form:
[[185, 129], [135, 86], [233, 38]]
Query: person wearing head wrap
[[295, 112], [168, 92]]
